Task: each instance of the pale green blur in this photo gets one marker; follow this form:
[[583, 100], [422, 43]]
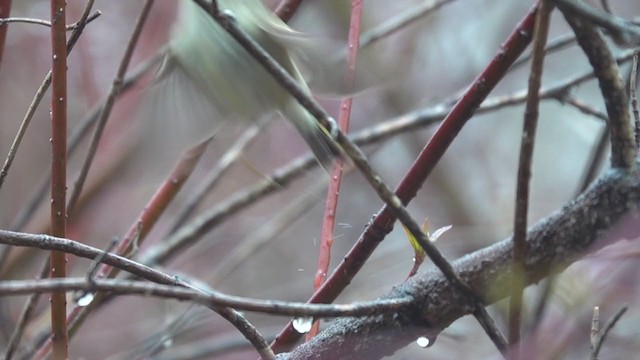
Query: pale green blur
[[229, 76]]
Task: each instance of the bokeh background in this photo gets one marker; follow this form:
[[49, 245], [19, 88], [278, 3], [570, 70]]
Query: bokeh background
[[472, 189]]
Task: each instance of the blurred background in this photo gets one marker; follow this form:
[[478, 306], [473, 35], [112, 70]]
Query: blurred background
[[428, 63]]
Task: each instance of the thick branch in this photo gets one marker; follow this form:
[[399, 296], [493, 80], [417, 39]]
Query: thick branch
[[553, 244]]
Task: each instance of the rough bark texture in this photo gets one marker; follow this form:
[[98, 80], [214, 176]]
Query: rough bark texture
[[584, 225]]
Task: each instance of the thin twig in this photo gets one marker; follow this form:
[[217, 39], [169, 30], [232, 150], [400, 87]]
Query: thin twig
[[531, 113], [634, 100], [261, 236], [623, 144], [75, 35], [623, 32], [138, 231], [211, 297], [410, 15], [602, 336], [31, 303], [553, 45], [116, 87], [77, 136], [25, 316], [214, 176], [7, 20]]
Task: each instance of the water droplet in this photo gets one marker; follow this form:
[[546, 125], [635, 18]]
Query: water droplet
[[303, 324], [55, 57], [423, 342], [167, 343], [86, 299]]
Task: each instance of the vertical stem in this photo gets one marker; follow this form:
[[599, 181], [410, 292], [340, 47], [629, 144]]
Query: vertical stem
[[328, 223], [541, 28], [59, 335]]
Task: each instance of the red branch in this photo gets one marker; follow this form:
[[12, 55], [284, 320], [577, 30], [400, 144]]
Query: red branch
[[59, 337], [382, 224], [328, 224]]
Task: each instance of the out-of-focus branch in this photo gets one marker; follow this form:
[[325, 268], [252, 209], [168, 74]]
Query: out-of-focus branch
[[605, 68], [58, 211], [6, 20], [623, 32]]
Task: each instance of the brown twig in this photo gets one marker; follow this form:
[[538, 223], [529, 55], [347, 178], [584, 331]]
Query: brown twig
[[105, 111], [25, 316], [6, 20], [75, 35], [261, 236], [59, 337], [138, 231], [210, 297], [76, 137], [412, 14], [623, 148], [31, 303], [214, 176], [553, 45], [531, 112], [599, 337], [287, 8]]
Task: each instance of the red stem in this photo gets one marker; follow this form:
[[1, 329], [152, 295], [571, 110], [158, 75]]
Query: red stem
[[59, 335], [328, 225], [382, 224]]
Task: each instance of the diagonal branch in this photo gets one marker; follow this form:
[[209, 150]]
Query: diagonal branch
[[606, 69], [586, 224], [623, 32]]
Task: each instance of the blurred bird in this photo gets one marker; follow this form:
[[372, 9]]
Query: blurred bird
[[230, 78]]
